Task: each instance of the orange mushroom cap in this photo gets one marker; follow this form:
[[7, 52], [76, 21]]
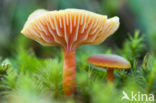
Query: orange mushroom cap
[[109, 61], [69, 28]]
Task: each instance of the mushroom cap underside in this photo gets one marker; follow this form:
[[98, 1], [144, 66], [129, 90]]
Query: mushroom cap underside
[[109, 61], [69, 28]]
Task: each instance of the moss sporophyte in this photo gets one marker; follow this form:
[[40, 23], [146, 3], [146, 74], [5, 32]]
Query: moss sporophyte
[[69, 29]]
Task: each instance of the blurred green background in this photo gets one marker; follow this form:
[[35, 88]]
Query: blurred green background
[[133, 14]]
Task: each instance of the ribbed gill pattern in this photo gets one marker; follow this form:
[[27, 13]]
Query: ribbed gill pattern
[[69, 28]]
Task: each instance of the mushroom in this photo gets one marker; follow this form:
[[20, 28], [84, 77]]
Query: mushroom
[[69, 29], [109, 62]]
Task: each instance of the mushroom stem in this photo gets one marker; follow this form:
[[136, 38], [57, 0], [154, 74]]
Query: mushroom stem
[[69, 72], [110, 75]]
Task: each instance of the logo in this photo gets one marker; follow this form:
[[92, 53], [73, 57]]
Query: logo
[[137, 96]]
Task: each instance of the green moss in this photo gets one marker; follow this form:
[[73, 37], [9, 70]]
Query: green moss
[[26, 78]]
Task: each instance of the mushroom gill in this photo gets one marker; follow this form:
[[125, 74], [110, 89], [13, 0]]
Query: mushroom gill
[[69, 28]]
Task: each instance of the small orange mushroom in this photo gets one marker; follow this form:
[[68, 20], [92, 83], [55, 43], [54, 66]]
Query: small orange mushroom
[[109, 62], [69, 28]]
